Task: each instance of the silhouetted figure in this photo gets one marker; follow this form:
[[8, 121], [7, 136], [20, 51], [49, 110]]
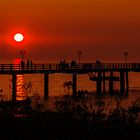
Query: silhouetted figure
[[28, 63], [63, 64], [60, 64], [73, 63], [98, 63], [22, 64], [31, 63], [66, 65]]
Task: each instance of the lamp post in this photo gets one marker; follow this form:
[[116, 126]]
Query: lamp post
[[125, 56], [19, 38], [79, 55], [22, 53]]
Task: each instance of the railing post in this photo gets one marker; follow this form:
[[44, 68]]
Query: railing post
[[2, 67], [74, 85], [11, 67], [46, 86], [18, 66], [49, 66], [42, 66]]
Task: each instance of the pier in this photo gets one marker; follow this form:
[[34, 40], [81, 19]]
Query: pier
[[96, 72]]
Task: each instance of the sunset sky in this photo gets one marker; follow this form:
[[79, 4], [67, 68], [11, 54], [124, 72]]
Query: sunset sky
[[57, 29]]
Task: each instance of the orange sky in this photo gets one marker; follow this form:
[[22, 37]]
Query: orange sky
[[102, 29]]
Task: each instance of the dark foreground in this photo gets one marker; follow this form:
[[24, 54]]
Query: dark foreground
[[70, 122]]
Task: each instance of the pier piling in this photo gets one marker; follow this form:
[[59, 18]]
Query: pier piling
[[99, 83], [74, 84], [103, 82], [46, 86], [111, 83], [127, 83], [122, 82], [14, 87]]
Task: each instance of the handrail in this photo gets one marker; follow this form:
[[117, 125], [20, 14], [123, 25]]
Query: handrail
[[68, 66]]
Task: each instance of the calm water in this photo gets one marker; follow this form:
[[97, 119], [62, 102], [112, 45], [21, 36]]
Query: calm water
[[56, 85]]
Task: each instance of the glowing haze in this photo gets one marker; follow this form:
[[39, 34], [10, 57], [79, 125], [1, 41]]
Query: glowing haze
[[101, 29]]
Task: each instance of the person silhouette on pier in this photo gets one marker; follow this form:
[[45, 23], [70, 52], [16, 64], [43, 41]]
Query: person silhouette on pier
[[63, 64], [28, 62], [98, 64], [22, 64], [73, 63]]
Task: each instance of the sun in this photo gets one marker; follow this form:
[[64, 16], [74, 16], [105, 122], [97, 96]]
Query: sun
[[18, 37]]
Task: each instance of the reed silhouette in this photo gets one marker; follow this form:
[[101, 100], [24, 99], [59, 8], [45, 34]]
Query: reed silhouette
[[72, 118]]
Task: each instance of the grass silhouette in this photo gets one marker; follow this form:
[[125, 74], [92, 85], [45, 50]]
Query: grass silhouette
[[71, 119]]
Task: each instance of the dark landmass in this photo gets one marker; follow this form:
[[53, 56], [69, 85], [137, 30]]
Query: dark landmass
[[69, 122]]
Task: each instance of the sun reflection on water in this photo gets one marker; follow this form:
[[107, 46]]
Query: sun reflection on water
[[20, 92], [20, 88]]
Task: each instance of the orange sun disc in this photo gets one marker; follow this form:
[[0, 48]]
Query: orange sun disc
[[18, 37]]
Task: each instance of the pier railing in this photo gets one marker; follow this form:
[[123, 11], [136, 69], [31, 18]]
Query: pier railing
[[81, 66]]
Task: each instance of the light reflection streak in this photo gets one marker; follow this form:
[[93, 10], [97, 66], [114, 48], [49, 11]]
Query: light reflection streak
[[20, 88], [20, 92]]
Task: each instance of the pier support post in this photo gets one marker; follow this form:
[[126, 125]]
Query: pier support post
[[46, 86], [74, 84], [111, 83], [14, 87], [127, 83], [99, 83], [104, 82], [122, 82]]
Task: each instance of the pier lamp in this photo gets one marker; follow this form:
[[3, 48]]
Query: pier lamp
[[18, 37]]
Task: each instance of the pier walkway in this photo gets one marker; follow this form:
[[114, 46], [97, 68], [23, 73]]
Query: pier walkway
[[68, 68]]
